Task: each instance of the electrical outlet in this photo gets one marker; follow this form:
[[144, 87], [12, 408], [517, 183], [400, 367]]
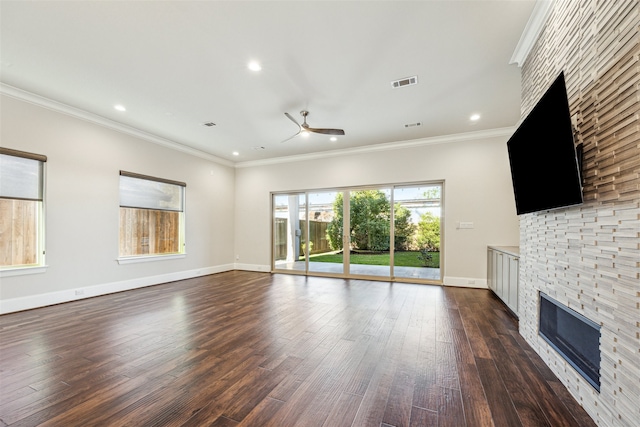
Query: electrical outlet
[[465, 225], [79, 292]]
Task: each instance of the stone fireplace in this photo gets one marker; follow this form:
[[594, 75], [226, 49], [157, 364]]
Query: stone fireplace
[[587, 258]]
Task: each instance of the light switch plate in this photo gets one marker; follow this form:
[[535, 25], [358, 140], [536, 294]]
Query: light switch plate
[[465, 225]]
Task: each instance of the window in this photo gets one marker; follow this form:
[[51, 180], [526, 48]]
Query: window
[[389, 232], [21, 209], [151, 216]]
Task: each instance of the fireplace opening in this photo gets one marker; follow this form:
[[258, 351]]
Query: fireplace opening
[[573, 336]]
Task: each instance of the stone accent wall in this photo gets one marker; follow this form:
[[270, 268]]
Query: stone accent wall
[[588, 257]]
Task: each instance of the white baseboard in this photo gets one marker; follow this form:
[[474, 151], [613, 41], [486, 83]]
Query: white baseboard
[[41, 300], [252, 267], [465, 282]]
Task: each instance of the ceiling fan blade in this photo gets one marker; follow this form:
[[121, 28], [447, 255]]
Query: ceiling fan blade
[[291, 137], [304, 127], [292, 119], [326, 131]]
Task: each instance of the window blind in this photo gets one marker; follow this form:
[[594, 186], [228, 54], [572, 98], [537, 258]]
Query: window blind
[[146, 192], [21, 175]]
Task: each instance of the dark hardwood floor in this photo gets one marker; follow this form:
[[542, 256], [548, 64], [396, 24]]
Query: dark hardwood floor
[[256, 349]]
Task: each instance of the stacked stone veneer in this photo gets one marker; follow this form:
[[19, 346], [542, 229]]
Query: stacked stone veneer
[[588, 257]]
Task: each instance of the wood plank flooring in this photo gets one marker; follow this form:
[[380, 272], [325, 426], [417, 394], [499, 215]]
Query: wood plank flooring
[[258, 349]]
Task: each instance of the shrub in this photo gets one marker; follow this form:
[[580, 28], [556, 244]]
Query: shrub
[[429, 232]]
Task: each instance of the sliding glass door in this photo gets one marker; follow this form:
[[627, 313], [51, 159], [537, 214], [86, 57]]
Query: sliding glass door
[[289, 231], [418, 211], [326, 221], [370, 232], [385, 233]]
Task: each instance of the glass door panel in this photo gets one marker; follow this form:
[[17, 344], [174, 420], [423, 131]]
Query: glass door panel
[[369, 236], [289, 231], [417, 215], [326, 232]]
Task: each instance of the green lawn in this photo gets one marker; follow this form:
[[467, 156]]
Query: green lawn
[[401, 259]]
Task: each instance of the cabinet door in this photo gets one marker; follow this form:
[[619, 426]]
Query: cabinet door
[[490, 270], [514, 265], [500, 277]]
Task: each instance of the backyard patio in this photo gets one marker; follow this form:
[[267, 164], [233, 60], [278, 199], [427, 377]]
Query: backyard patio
[[426, 273]]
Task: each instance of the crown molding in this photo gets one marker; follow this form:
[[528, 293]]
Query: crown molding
[[532, 31], [50, 104], [467, 136], [59, 107]]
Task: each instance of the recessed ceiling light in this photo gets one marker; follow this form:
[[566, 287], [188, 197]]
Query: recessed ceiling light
[[119, 107], [474, 117], [235, 153], [333, 139], [254, 66]]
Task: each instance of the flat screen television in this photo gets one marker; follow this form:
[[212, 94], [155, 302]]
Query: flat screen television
[[545, 162]]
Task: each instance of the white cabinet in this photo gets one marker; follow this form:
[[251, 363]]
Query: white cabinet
[[502, 274]]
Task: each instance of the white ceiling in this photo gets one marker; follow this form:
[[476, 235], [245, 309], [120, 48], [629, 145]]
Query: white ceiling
[[175, 65]]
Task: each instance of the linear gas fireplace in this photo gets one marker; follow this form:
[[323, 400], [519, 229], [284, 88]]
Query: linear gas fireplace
[[575, 337]]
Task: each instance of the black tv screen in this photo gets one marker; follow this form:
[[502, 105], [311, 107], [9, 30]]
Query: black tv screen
[[542, 154]]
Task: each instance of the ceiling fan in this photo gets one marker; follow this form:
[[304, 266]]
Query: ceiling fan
[[304, 127]]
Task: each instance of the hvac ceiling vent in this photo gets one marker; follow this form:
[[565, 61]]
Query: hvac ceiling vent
[[407, 81], [209, 124], [410, 125]]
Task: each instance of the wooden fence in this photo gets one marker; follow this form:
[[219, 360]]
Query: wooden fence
[[317, 237], [18, 232], [146, 231]]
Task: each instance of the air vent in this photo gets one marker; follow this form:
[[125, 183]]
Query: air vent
[[209, 124], [410, 125], [407, 81]]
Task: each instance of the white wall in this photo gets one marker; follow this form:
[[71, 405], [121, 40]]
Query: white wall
[[82, 213], [477, 189]]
